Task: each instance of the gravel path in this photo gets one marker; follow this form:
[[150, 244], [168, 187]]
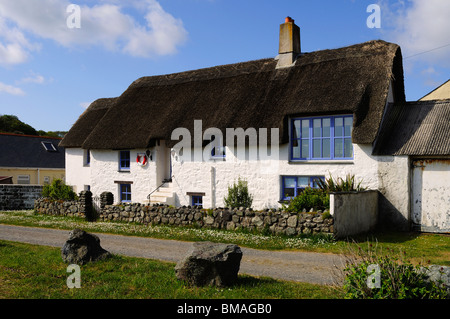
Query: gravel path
[[286, 265]]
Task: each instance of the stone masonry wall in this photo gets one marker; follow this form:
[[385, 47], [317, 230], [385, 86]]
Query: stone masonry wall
[[77, 208], [273, 221], [267, 221], [18, 197]]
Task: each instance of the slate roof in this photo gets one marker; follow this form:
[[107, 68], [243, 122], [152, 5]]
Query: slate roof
[[255, 94], [419, 128], [27, 151]]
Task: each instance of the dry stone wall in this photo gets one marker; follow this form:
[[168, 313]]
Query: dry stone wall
[[265, 221], [273, 221]]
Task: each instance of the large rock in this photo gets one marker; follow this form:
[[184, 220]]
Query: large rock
[[82, 247], [210, 264]]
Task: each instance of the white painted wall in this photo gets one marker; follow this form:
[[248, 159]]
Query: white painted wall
[[212, 177], [103, 172], [77, 174], [430, 195]]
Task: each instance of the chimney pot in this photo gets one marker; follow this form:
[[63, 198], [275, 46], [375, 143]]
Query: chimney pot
[[289, 19]]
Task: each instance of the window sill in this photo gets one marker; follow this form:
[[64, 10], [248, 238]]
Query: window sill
[[124, 171], [321, 162]]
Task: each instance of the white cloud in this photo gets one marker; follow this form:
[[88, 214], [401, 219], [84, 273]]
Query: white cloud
[[104, 24], [9, 89], [34, 78], [421, 28]]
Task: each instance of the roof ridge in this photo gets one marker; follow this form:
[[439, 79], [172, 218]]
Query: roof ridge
[[35, 136]]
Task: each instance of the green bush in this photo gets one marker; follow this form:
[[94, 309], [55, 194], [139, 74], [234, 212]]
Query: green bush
[[395, 279], [58, 190], [340, 185], [310, 198], [238, 195]]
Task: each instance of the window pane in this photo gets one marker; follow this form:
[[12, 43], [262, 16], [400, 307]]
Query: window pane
[[289, 187], [348, 148], [305, 149], [305, 128], [289, 182], [326, 123], [338, 148], [338, 126], [288, 192], [296, 132], [303, 182], [348, 123], [316, 148], [326, 148], [317, 128], [314, 181], [296, 150]]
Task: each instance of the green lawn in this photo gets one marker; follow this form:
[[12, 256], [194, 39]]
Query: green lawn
[[31, 272], [38, 272]]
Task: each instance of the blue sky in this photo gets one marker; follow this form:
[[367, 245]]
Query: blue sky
[[49, 73]]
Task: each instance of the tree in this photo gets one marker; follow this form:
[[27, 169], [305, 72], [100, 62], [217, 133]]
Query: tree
[[12, 124]]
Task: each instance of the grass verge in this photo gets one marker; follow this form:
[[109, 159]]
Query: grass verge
[[38, 272], [418, 247]]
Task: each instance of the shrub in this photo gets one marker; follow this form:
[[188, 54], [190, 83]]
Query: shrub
[[238, 195], [58, 190], [340, 185], [310, 198], [395, 278]]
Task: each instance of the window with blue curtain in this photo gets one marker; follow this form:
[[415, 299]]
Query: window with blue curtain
[[292, 186], [124, 161], [322, 138], [125, 193]]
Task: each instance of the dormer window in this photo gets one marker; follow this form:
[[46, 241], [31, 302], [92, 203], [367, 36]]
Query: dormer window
[[49, 147], [322, 138]]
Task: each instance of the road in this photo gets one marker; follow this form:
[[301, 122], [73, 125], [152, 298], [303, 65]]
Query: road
[[307, 267]]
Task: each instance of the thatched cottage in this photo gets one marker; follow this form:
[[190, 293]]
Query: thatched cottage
[[308, 114]]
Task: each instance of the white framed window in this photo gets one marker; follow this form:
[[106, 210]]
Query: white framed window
[[23, 179], [49, 147]]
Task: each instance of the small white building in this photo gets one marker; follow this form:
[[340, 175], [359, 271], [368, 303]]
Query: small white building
[[279, 123]]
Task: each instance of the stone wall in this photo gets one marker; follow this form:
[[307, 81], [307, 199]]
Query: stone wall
[[19, 197], [273, 221], [59, 208], [79, 208]]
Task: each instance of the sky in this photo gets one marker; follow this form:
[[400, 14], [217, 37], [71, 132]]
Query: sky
[[58, 56]]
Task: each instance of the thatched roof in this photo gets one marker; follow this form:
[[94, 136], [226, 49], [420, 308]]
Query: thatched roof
[[415, 128], [87, 122], [353, 79]]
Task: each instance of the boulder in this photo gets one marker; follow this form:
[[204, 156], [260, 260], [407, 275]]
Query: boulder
[[82, 247], [210, 264]]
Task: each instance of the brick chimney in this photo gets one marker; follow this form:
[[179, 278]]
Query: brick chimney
[[289, 47]]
